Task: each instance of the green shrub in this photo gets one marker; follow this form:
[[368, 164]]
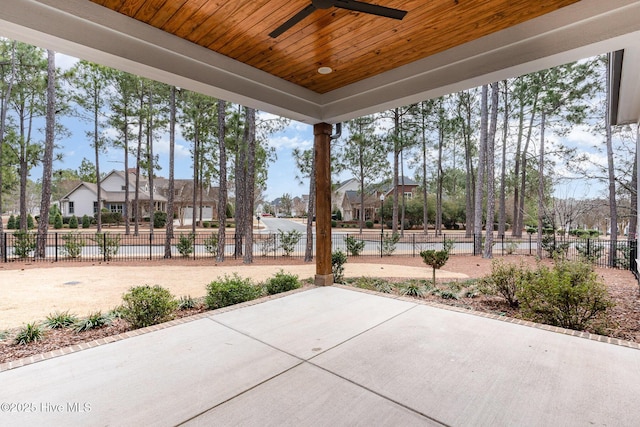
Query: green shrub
[[159, 219], [508, 279], [145, 306], [373, 284], [555, 248], [86, 221], [569, 295], [289, 240], [60, 320], [368, 224], [73, 244], [30, 222], [269, 245], [12, 224], [230, 290], [57, 222], [73, 222], [211, 244], [437, 259], [24, 243], [334, 223], [338, 259], [185, 244], [354, 246], [108, 245], [389, 243], [282, 282], [93, 321], [31, 332]]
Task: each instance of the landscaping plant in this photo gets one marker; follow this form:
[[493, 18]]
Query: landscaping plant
[[389, 242], [73, 244], [108, 245], [185, 244], [282, 282], [437, 259], [338, 259], [230, 290], [93, 321], [354, 246], [569, 295], [509, 279], [146, 305], [31, 332], [60, 320], [24, 244], [289, 240]]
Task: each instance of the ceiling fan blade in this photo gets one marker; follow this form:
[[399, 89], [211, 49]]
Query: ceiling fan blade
[[373, 9], [293, 21]]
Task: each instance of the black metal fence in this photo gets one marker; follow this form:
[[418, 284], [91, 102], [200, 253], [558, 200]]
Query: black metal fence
[[79, 247]]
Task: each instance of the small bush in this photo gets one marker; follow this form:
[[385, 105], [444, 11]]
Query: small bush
[[289, 240], [211, 244], [569, 295], [86, 221], [145, 306], [24, 244], [437, 259], [230, 290], [73, 222], [108, 245], [159, 219], [508, 279], [60, 320], [12, 224], [73, 244], [354, 246], [185, 244], [368, 224], [389, 243], [338, 259], [93, 321], [269, 245], [31, 332], [57, 222], [30, 222], [282, 282]]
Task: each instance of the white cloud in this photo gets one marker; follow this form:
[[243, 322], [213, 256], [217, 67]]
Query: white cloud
[[285, 142]]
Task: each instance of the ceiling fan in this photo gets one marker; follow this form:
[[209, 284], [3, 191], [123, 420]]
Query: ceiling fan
[[356, 6]]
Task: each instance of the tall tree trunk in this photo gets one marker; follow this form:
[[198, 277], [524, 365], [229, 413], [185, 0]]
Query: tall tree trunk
[[136, 201], [3, 118], [126, 211], [491, 200], [308, 252], [96, 151], [403, 210], [613, 205], [396, 162], [469, 175], [541, 184], [250, 183], [523, 180], [439, 171], [47, 162], [502, 214], [150, 162], [222, 187], [425, 211], [633, 222], [171, 189], [241, 202], [196, 178], [482, 163]]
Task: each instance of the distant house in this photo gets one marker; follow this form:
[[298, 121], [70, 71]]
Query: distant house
[[83, 199], [346, 197]]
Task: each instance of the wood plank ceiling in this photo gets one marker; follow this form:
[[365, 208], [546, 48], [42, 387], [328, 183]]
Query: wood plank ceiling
[[355, 45]]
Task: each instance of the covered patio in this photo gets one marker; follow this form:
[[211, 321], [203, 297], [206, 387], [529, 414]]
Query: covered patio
[[332, 356]]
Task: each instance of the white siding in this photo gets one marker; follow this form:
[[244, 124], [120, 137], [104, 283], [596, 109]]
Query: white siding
[[83, 200]]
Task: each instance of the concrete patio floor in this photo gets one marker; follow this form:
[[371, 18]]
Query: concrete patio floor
[[332, 356]]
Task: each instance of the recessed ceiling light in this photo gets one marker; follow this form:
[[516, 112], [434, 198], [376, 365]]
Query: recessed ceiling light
[[325, 70]]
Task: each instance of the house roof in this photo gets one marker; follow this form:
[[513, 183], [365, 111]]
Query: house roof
[[223, 49]]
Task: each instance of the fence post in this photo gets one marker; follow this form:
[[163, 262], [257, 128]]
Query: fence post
[[475, 236], [4, 247], [502, 239], [633, 253], [381, 243], [104, 246], [529, 243], [150, 245], [45, 248]]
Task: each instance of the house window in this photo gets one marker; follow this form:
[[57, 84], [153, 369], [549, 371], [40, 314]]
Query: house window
[[408, 195], [72, 209], [95, 207], [123, 188], [116, 207]]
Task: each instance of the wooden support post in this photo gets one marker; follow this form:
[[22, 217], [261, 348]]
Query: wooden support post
[[322, 153]]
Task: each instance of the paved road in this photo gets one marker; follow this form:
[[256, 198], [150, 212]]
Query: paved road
[[274, 224]]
